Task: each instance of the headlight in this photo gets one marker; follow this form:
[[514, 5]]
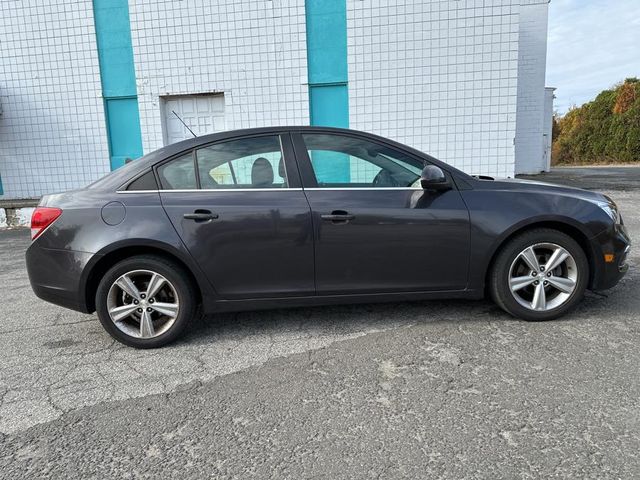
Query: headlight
[[611, 209]]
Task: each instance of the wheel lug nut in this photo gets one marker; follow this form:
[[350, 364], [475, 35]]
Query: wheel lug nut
[[535, 274], [545, 283], [139, 310], [148, 309], [151, 300], [536, 282], [549, 274], [135, 302], [542, 269], [142, 296]]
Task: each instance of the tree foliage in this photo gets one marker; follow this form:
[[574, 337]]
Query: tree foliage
[[602, 131]]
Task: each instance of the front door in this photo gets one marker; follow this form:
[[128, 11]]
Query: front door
[[376, 229], [239, 209]]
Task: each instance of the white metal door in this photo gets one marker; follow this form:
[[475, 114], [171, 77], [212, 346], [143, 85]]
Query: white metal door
[[202, 113]]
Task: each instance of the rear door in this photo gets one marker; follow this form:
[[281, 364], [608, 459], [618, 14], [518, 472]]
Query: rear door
[[376, 229], [239, 207]]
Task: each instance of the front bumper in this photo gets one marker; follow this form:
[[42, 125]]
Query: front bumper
[[615, 241], [55, 275]]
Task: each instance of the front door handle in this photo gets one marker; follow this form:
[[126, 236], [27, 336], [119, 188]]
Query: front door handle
[[338, 216], [201, 216]]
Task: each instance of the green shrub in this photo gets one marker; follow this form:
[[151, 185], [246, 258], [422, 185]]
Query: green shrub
[[602, 131]]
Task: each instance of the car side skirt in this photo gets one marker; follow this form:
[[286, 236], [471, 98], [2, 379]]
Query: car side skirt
[[325, 300]]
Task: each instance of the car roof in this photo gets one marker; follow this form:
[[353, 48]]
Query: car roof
[[122, 175]]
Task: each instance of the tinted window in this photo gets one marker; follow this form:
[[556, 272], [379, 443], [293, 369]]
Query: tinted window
[[178, 174], [346, 162], [245, 163], [145, 182]]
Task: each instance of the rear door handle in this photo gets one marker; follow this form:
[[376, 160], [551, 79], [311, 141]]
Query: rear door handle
[[338, 216], [201, 216]]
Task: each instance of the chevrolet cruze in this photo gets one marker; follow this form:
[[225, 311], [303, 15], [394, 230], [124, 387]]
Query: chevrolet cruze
[[295, 216]]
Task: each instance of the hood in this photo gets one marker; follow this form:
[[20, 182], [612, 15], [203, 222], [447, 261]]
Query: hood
[[540, 187]]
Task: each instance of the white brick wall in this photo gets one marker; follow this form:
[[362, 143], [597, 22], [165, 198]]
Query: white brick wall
[[440, 76], [253, 51], [532, 58], [52, 128], [458, 79]]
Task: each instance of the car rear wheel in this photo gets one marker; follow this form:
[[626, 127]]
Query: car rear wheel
[[539, 275], [145, 301]]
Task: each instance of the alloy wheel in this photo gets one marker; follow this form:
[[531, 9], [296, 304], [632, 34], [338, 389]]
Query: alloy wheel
[[543, 276], [143, 304]]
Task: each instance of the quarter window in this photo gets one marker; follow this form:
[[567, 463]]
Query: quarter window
[[346, 162], [144, 182], [178, 174]]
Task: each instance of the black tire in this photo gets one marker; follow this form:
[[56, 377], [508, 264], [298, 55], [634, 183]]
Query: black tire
[[181, 283], [499, 275]]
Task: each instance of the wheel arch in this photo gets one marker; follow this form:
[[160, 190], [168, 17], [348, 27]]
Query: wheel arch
[[568, 228], [116, 253]]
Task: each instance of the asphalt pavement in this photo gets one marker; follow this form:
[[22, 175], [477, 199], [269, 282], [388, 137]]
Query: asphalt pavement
[[454, 389], [593, 178]]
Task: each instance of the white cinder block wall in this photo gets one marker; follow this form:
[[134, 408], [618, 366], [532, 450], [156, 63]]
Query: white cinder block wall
[[532, 58], [252, 51], [439, 76], [461, 79], [52, 127]]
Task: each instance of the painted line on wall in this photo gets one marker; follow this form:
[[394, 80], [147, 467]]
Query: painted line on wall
[[326, 22], [118, 79]]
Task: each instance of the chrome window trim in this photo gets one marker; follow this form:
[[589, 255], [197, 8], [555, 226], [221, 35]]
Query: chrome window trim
[[319, 189], [275, 189], [219, 190]]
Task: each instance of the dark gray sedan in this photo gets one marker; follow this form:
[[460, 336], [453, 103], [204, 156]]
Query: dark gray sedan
[[294, 216]]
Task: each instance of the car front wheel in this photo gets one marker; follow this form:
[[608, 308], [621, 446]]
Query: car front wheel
[[539, 275], [145, 301]]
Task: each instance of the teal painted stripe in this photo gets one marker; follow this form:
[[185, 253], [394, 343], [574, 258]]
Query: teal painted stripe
[[117, 75], [329, 105], [123, 128], [326, 41], [1, 189], [326, 22]]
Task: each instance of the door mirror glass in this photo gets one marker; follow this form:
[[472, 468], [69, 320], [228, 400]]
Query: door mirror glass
[[433, 178]]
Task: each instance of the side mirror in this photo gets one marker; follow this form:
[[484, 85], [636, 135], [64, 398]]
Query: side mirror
[[433, 178]]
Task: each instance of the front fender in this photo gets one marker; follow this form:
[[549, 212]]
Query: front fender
[[496, 216]]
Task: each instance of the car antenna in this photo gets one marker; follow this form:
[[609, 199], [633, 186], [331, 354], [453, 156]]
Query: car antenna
[[185, 125]]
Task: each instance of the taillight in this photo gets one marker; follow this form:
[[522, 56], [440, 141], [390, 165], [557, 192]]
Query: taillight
[[41, 218]]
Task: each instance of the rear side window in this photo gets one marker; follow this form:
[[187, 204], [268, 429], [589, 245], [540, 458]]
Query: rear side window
[[145, 182], [178, 174], [244, 163]]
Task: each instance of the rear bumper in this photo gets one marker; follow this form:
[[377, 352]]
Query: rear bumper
[[55, 275], [617, 242]]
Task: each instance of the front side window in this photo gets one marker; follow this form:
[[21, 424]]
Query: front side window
[[245, 163], [345, 162], [178, 174]]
